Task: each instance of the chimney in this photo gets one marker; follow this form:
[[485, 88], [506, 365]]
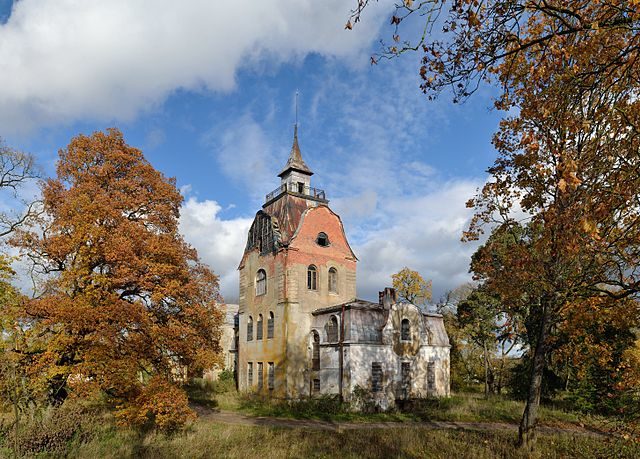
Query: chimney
[[387, 297]]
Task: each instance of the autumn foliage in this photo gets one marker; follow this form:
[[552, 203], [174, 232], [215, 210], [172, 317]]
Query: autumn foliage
[[127, 308], [411, 286]]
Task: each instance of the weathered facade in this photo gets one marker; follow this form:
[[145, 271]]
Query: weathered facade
[[301, 330], [228, 343]]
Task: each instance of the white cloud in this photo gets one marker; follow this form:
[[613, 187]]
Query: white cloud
[[220, 243], [421, 232], [63, 60], [245, 154]]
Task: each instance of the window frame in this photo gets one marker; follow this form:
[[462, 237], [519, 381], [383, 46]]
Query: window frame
[[323, 236], [270, 325], [312, 278], [315, 351], [250, 329], [332, 280], [250, 374], [377, 376], [260, 327], [333, 329], [271, 375], [261, 282], [260, 375], [405, 333]]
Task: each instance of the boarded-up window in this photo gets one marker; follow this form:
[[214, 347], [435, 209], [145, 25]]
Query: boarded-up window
[[271, 376], [405, 330], [270, 325], [376, 377], [406, 379], [315, 351], [333, 280], [250, 329], [261, 282], [312, 278], [332, 330], [259, 330], [250, 374], [316, 386], [431, 377], [260, 375]]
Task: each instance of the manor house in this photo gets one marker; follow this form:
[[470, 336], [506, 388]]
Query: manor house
[[301, 331]]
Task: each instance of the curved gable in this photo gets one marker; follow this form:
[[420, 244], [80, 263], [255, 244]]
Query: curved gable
[[321, 219]]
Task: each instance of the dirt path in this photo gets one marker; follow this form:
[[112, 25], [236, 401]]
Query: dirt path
[[230, 417]]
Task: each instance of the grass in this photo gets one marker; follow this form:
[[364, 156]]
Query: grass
[[207, 439], [458, 408], [97, 436]]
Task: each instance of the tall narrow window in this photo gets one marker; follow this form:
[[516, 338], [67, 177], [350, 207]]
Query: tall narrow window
[[316, 386], [312, 278], [332, 330], [431, 377], [271, 376], [260, 375], [261, 282], [301, 187], [250, 374], [250, 329], [315, 351], [405, 330], [259, 330], [333, 280], [406, 379], [270, 325], [376, 377]]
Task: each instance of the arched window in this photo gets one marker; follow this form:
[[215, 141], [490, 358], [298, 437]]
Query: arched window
[[333, 280], [322, 239], [332, 330], [261, 282], [270, 325], [312, 278], [405, 330], [315, 351], [250, 329], [259, 331]]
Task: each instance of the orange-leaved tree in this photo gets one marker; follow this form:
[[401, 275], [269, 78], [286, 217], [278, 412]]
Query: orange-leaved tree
[[128, 308], [411, 286], [567, 149]]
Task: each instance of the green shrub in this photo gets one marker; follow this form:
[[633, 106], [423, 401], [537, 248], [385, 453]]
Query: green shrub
[[52, 428]]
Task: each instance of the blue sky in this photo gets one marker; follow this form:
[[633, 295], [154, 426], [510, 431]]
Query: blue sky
[[207, 90]]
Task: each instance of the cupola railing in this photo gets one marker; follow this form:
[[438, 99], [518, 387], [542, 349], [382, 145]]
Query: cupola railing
[[297, 189]]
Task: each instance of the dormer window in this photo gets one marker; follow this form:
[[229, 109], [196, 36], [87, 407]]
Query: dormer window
[[322, 239]]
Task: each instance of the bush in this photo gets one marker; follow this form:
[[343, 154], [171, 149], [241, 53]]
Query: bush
[[52, 428], [321, 407]]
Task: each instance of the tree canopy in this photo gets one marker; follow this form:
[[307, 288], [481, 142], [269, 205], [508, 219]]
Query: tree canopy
[[411, 286], [127, 307], [562, 197]]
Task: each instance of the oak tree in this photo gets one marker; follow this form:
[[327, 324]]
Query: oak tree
[[411, 286], [128, 308], [567, 148]]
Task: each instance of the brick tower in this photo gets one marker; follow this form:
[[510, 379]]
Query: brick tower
[[297, 259]]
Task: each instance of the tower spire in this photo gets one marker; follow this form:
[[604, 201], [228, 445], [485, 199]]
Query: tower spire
[[295, 161]]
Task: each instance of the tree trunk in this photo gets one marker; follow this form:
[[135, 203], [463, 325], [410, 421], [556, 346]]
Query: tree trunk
[[486, 372], [527, 430]]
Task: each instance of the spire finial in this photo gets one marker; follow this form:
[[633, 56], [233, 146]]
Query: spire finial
[[296, 110]]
